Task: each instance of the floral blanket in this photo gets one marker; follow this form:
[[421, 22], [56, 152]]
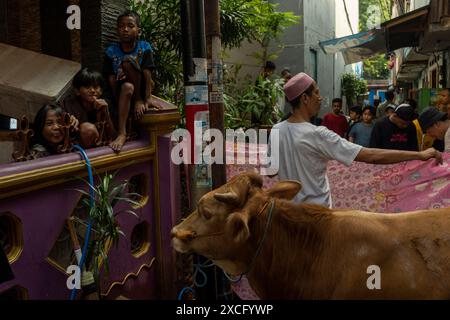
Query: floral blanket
[[406, 186]]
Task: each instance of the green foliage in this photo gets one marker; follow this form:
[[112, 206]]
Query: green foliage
[[250, 104], [376, 68], [236, 22], [251, 20], [352, 87], [161, 26], [371, 11], [254, 20], [106, 230], [268, 25]]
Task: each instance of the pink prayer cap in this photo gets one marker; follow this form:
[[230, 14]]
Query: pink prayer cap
[[297, 85]]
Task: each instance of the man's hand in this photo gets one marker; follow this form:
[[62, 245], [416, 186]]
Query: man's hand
[[74, 123], [431, 153]]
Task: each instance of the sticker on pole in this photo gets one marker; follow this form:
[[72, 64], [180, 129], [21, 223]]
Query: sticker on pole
[[216, 97], [203, 175], [200, 70], [196, 95]]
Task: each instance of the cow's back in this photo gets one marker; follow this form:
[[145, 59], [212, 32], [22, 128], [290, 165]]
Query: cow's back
[[411, 250]]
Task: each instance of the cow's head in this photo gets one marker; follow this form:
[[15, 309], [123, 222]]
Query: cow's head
[[221, 226]]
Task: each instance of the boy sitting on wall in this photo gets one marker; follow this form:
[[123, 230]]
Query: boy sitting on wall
[[86, 106], [128, 67]]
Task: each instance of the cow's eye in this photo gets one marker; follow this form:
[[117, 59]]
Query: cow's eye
[[207, 215]]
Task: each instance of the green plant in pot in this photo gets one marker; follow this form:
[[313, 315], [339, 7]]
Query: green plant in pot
[[105, 227]]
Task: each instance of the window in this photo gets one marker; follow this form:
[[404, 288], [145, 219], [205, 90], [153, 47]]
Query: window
[[140, 239], [139, 184], [313, 63], [11, 237]]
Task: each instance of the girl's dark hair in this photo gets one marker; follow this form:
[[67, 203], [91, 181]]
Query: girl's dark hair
[[87, 78], [129, 13], [39, 123], [295, 103]]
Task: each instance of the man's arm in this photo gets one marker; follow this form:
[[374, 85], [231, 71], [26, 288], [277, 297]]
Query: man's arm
[[387, 156]]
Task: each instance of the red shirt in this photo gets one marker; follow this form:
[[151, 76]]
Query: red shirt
[[336, 123]]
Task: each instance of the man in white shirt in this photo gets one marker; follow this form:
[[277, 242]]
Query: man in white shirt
[[305, 149]]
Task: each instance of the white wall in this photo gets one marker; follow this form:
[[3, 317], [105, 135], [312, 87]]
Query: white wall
[[343, 29], [243, 56]]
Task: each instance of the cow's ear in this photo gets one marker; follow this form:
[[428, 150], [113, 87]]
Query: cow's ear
[[237, 226], [287, 189], [229, 197]]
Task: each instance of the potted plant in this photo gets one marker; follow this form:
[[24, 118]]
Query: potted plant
[[105, 227]]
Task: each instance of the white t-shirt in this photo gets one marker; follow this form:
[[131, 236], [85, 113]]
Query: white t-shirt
[[305, 150]]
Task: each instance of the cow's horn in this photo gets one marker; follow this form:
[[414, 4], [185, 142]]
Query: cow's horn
[[228, 197]]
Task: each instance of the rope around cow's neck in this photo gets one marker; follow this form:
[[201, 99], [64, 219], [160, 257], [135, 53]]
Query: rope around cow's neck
[[261, 242]]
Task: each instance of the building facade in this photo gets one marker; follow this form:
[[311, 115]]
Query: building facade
[[300, 52], [421, 71]]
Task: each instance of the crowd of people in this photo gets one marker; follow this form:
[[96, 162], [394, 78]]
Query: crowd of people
[[306, 148], [122, 90], [386, 125]]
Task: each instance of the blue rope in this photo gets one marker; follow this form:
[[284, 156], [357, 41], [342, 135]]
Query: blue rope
[[199, 269], [91, 202], [180, 296]]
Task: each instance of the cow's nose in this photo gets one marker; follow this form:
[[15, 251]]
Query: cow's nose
[[184, 235]]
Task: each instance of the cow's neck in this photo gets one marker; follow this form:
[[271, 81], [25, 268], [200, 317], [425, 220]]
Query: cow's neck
[[291, 253]]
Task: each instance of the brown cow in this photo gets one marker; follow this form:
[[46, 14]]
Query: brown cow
[[312, 252]]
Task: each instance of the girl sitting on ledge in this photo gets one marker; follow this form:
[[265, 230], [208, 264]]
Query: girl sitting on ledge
[[48, 133]]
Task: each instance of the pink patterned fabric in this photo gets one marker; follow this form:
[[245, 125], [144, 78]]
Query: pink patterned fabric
[[406, 186]]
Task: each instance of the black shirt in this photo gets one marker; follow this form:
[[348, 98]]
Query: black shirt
[[72, 104], [386, 135], [439, 145]]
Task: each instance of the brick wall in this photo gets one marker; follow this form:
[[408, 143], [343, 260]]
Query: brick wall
[[75, 37], [20, 23], [30, 25], [3, 26], [13, 23], [98, 28]]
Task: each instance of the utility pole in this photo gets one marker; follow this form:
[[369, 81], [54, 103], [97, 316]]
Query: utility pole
[[216, 109], [197, 116], [215, 85]]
